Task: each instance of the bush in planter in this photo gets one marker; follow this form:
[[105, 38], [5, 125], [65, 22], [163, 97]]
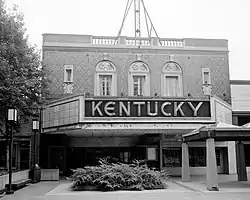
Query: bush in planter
[[118, 176], [86, 176]]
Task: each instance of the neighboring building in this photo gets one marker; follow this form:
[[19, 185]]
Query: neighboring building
[[112, 97], [21, 146], [240, 90]]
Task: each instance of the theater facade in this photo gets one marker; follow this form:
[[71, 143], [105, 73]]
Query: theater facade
[[126, 99]]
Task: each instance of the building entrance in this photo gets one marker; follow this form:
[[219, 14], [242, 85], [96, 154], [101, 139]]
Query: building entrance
[[79, 157]]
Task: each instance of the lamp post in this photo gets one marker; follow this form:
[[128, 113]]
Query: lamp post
[[35, 128], [12, 117]]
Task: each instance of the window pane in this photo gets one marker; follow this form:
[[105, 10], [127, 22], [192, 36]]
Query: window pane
[[247, 154], [197, 156], [108, 85], [172, 86], [136, 93], [105, 84], [68, 75], [171, 157], [138, 85], [124, 156], [206, 77], [217, 154], [14, 152], [24, 155], [3, 159]]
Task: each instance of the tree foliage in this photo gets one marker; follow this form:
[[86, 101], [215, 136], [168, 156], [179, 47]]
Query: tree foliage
[[22, 80]]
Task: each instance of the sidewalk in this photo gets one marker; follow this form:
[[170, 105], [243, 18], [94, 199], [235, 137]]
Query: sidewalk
[[59, 190], [196, 190], [200, 185], [32, 191]]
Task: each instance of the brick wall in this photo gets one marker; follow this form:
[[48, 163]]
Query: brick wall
[[84, 60]]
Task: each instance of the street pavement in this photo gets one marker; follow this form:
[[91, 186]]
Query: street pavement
[[177, 190]]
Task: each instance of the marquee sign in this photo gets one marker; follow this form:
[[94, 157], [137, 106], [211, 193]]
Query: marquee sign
[[146, 108]]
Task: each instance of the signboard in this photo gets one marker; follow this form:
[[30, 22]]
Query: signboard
[[151, 154], [146, 108]]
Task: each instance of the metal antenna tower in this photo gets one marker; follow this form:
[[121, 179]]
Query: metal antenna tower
[[137, 20]]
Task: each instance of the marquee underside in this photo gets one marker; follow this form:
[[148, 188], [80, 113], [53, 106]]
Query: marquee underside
[[109, 130]]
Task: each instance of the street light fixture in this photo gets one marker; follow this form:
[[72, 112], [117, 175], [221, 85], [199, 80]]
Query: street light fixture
[[35, 125], [12, 117], [35, 128]]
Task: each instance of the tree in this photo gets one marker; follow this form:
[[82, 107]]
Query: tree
[[22, 79]]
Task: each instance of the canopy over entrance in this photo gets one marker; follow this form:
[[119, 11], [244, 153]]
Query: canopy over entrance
[[246, 125], [216, 132], [220, 132]]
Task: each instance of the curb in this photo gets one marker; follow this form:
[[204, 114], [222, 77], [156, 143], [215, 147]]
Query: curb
[[187, 187], [2, 194]]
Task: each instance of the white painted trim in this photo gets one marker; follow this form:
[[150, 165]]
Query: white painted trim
[[62, 101], [177, 74], [146, 86], [81, 108], [113, 83], [105, 126], [219, 100], [104, 72], [146, 73], [125, 126], [163, 84], [167, 48], [232, 165], [212, 108], [214, 103], [147, 120]]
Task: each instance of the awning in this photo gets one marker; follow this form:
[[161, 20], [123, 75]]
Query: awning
[[123, 130], [247, 125], [220, 132]]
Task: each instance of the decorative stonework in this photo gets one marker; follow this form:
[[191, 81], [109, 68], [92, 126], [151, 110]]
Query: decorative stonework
[[68, 88], [105, 66], [105, 56], [171, 67], [139, 67], [171, 57], [207, 89], [138, 56]]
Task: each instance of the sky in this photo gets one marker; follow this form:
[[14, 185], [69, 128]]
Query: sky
[[222, 19]]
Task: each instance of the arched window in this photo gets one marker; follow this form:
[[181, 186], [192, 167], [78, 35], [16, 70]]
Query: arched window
[[171, 80], [105, 79], [139, 79]]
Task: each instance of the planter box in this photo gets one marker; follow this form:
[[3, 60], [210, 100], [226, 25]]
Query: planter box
[[16, 176], [85, 188], [49, 174]]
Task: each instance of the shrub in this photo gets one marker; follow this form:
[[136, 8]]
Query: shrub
[[118, 176]]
